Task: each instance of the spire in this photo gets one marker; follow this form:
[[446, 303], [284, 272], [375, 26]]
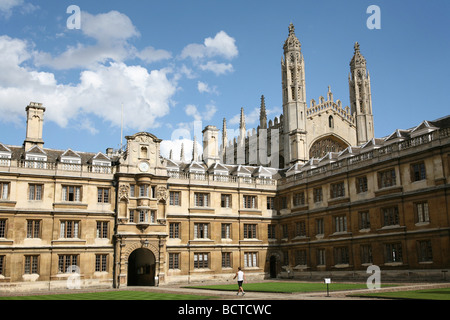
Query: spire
[[292, 42], [242, 121], [182, 153], [224, 134], [358, 60], [194, 150], [242, 130], [263, 114]]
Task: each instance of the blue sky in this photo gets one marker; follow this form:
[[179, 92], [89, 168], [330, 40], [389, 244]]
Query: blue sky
[[171, 63]]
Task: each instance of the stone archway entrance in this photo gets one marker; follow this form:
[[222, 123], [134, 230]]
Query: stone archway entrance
[[141, 268]]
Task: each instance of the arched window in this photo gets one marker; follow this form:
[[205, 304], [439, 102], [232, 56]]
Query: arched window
[[144, 152], [330, 122]]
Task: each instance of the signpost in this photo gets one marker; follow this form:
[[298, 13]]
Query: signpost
[[327, 281]]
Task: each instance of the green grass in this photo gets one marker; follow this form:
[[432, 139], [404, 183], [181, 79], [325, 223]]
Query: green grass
[[286, 287], [110, 295], [428, 294]]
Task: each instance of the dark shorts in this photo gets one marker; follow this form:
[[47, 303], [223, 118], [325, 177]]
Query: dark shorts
[[240, 283]]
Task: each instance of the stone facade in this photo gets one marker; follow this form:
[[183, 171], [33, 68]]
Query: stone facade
[[130, 217]]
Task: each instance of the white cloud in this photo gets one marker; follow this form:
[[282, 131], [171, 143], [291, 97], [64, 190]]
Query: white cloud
[[217, 68], [112, 32], [210, 111], [175, 146], [7, 6], [101, 91], [150, 54], [221, 45], [203, 87]]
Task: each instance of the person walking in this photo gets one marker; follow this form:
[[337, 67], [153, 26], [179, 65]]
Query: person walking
[[240, 279]]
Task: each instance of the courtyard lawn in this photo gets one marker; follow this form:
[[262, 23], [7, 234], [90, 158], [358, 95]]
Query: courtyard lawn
[[428, 294], [286, 287], [111, 295]]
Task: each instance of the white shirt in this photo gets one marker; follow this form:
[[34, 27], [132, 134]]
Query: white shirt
[[240, 276]]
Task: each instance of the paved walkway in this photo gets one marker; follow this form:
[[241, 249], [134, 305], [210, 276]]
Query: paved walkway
[[335, 295], [231, 295]]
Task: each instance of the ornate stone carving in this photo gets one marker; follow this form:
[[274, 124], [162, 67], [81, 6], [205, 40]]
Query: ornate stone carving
[[124, 191], [162, 193]]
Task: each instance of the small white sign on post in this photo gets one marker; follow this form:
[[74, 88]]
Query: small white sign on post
[[327, 281]]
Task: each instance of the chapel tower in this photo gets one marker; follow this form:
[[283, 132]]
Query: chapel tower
[[294, 101], [360, 97]]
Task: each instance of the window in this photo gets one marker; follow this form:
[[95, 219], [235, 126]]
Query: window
[[270, 203], [225, 200], [3, 228], [144, 216], [300, 257], [298, 199], [101, 262], [361, 184], [201, 231], [271, 231], [284, 202], [226, 259], [425, 253], [340, 224], [175, 198], [35, 191], [394, 252], [386, 178], [102, 229], [418, 172], [2, 265], [250, 202], [317, 195], [174, 260], [364, 220], [366, 254], [201, 199], [300, 229], [131, 216], [341, 255], [201, 260], [285, 258], [69, 229], [143, 191], [31, 264], [319, 226], [4, 190], [132, 191], [103, 195], [250, 231], [320, 257], [226, 231], [71, 193], [285, 230], [422, 212], [33, 228], [337, 190], [67, 263], [174, 230], [390, 216], [330, 122], [250, 259]]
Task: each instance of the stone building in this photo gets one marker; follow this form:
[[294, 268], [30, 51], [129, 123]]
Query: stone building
[[303, 132], [341, 201]]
